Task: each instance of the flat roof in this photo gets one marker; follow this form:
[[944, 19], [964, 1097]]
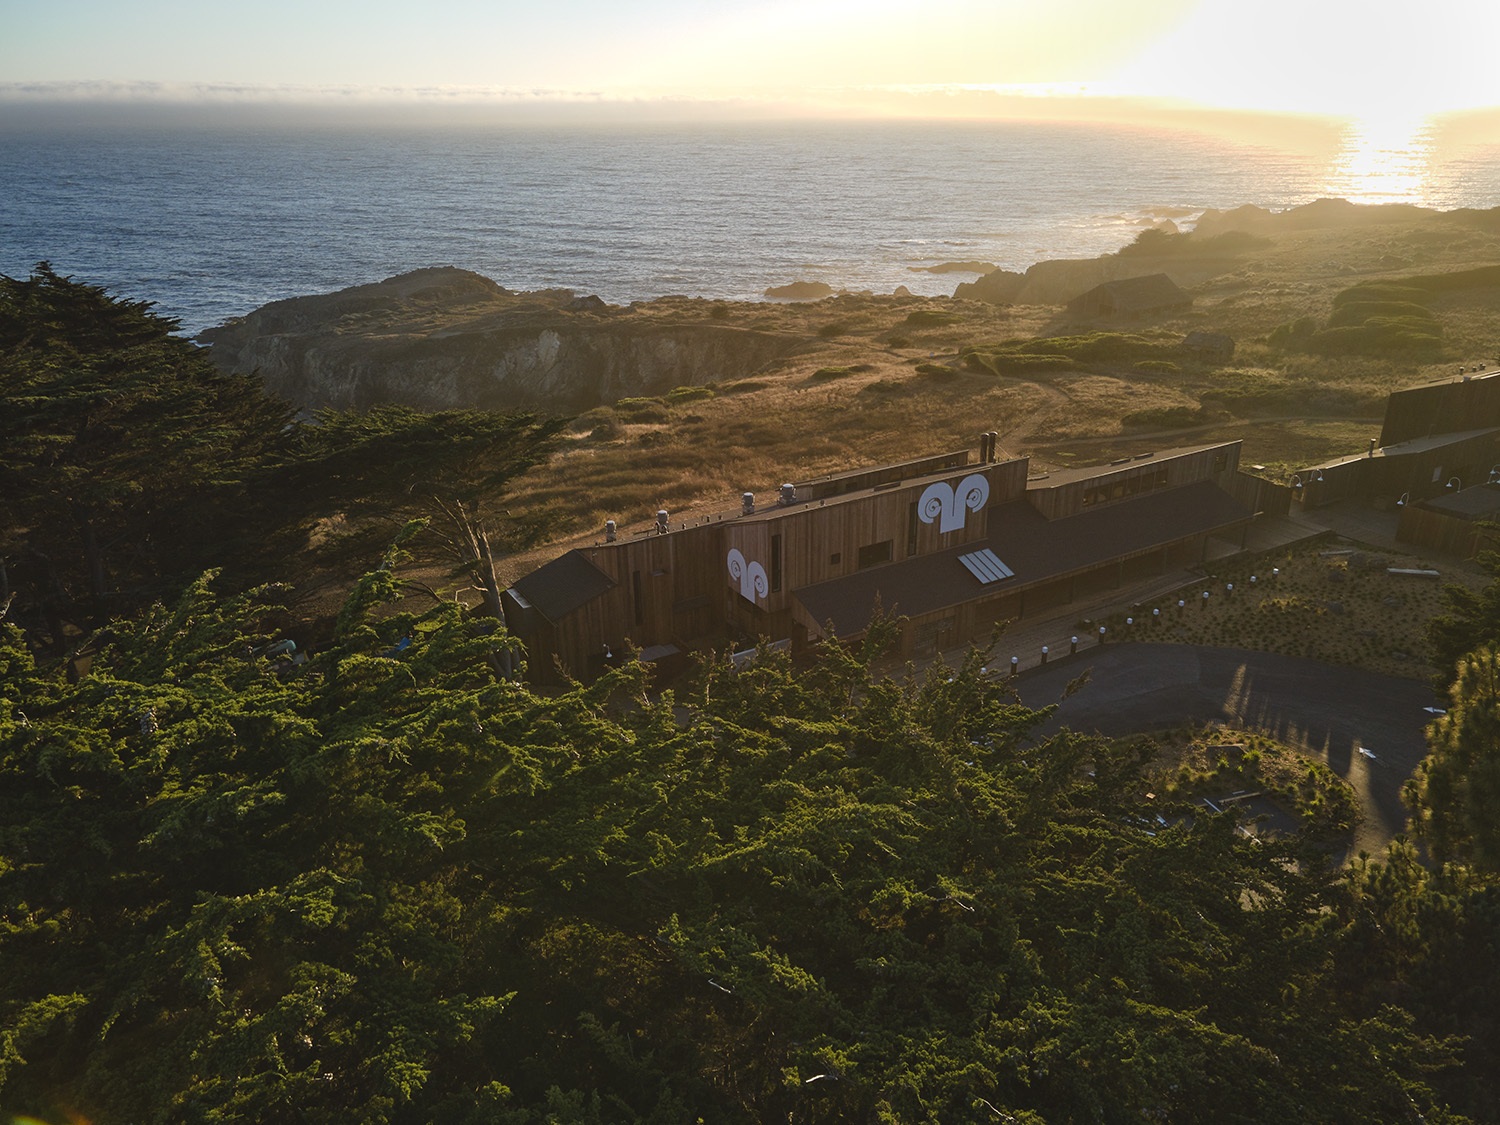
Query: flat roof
[[1088, 472], [768, 511], [828, 478], [1035, 548], [1406, 448], [1470, 377], [1479, 502]]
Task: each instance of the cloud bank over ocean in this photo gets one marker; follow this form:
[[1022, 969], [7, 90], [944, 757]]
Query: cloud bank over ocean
[[61, 102]]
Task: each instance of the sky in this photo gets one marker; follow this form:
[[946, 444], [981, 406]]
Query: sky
[[1370, 60]]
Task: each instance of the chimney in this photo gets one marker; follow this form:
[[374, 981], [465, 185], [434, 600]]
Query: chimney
[[609, 531], [661, 521], [788, 495], [747, 504]]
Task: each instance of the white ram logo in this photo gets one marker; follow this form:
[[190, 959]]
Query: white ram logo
[[750, 576], [942, 499]]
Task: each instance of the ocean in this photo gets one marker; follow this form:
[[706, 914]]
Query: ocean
[[210, 223]]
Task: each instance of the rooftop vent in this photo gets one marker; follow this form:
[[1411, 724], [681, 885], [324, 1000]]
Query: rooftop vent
[[747, 504], [661, 521], [609, 531], [788, 494]]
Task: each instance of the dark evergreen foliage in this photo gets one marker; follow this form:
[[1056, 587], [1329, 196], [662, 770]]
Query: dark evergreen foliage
[[390, 886]]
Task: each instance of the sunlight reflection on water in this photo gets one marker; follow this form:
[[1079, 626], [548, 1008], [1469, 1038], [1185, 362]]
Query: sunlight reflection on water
[[1385, 161]]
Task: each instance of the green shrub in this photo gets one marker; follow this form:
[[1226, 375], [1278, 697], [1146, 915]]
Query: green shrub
[[1377, 336], [1358, 312], [896, 340], [608, 429], [744, 386], [837, 328], [719, 311], [690, 394], [1293, 334], [642, 409], [1165, 417], [1008, 363], [1381, 291], [839, 372]]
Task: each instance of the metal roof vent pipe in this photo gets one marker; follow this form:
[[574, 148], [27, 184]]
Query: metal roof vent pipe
[[984, 449], [994, 445], [788, 495], [609, 531], [1372, 446], [747, 504], [661, 521]]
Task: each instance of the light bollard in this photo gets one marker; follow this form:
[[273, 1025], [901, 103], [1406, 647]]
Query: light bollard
[[1015, 665], [1101, 634], [1156, 617], [1229, 590], [1074, 650], [1205, 599], [1044, 654]]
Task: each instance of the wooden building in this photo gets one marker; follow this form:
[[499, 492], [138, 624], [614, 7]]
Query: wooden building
[[1467, 401], [1455, 522], [1208, 347], [953, 543]]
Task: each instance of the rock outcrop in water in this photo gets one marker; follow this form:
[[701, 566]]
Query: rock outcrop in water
[[446, 338]]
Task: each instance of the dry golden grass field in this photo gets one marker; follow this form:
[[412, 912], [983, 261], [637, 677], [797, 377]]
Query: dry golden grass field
[[871, 385]]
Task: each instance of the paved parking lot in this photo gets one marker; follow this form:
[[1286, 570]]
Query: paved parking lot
[[1325, 711]]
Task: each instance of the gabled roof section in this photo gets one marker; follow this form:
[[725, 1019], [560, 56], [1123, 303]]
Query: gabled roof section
[[563, 585]]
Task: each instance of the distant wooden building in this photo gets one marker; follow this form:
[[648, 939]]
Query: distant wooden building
[[1208, 347], [953, 544], [1468, 401], [1434, 435], [1453, 522], [1131, 297]]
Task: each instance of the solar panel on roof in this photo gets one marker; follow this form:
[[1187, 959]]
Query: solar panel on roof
[[986, 566]]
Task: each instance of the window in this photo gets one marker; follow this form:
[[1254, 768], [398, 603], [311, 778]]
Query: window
[[875, 554], [836, 558], [911, 529], [635, 589], [1221, 461], [775, 564]]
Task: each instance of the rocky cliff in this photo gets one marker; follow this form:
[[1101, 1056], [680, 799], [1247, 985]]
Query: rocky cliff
[[1059, 280], [447, 338]]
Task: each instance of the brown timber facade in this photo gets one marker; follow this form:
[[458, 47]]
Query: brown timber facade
[[952, 543]]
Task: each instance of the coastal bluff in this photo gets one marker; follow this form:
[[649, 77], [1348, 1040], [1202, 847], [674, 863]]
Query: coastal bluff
[[445, 338]]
